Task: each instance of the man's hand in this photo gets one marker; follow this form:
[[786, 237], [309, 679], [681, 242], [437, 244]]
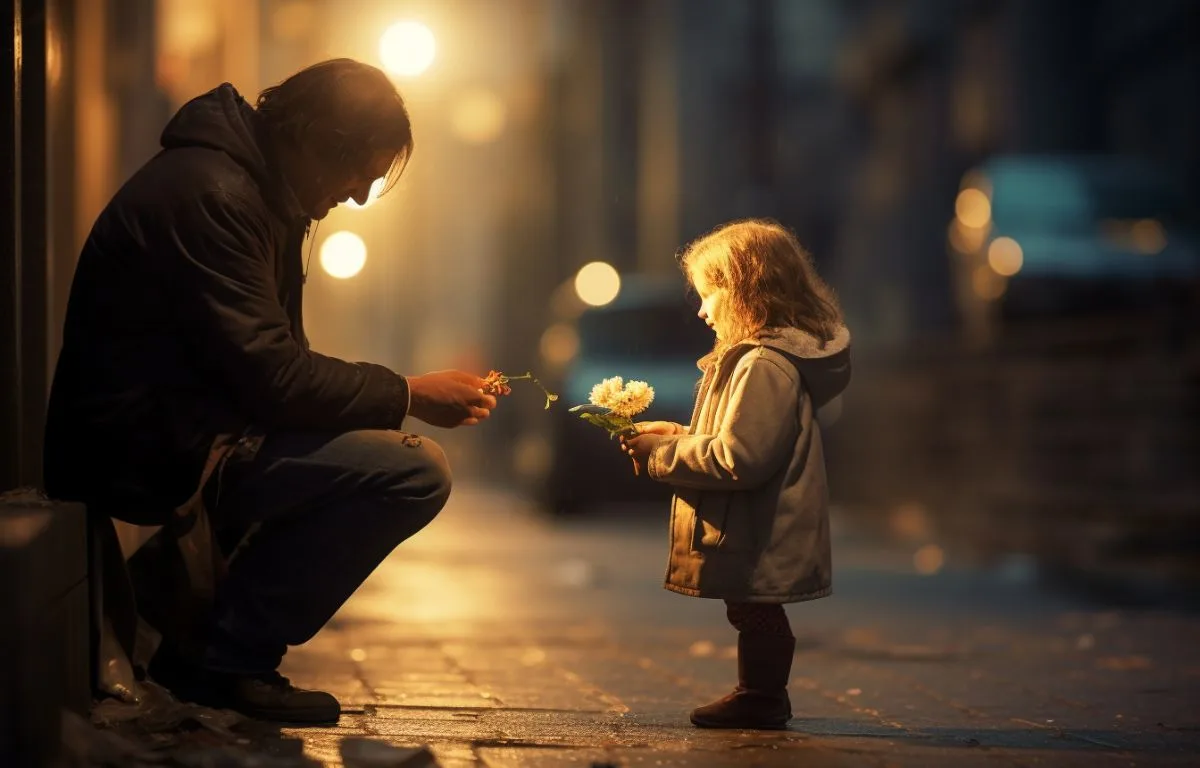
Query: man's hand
[[449, 399]]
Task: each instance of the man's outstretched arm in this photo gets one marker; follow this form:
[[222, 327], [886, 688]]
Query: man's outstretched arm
[[217, 255]]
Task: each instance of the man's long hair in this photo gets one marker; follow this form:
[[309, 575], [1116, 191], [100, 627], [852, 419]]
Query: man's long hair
[[345, 111]]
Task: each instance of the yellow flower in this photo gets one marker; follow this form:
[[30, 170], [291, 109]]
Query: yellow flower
[[604, 392], [625, 400]]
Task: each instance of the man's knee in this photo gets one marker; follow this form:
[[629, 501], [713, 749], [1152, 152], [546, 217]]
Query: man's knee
[[421, 471]]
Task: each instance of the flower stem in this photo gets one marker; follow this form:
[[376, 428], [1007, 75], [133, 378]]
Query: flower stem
[[550, 396]]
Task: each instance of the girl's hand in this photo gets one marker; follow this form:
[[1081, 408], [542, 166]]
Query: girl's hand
[[655, 428], [639, 448]]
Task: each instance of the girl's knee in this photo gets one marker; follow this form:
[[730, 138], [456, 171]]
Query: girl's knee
[[758, 618]]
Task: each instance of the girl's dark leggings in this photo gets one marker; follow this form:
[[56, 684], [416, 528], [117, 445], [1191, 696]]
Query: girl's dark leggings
[[758, 618]]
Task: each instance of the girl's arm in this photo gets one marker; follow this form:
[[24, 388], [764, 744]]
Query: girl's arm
[[757, 437]]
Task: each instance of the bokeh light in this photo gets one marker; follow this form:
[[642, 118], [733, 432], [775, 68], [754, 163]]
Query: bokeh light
[[559, 344], [966, 239], [407, 48], [343, 254], [1005, 256], [929, 559], [986, 283], [973, 207], [1148, 236], [597, 283]]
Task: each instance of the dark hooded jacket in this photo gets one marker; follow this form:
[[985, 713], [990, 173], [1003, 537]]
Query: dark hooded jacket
[[184, 323]]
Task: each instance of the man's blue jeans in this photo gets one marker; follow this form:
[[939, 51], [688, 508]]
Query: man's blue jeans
[[329, 509]]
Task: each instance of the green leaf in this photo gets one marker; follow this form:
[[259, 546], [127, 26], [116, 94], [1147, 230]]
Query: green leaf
[[605, 419]]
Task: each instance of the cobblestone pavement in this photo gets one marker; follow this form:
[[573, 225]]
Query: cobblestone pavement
[[500, 639]]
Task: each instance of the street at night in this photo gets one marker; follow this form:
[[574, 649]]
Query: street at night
[[502, 638], [599, 383]]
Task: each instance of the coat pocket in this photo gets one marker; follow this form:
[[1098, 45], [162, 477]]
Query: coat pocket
[[710, 522]]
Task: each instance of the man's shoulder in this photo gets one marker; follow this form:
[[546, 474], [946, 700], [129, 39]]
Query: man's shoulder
[[185, 174]]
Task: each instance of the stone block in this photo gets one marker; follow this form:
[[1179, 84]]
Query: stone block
[[44, 648]]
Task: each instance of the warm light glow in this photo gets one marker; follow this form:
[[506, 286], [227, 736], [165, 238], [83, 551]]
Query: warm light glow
[[1148, 236], [54, 59], [479, 116], [376, 191], [929, 559], [186, 28], [293, 20], [1005, 256], [986, 283], [973, 207], [533, 657], [559, 344], [407, 48], [597, 283], [966, 239], [343, 254], [910, 520], [702, 648]]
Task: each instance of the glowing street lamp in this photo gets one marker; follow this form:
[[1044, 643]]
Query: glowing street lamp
[[343, 254], [597, 283], [407, 48]]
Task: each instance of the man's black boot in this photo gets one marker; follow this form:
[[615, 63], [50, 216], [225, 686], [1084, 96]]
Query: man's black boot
[[761, 698], [263, 696]]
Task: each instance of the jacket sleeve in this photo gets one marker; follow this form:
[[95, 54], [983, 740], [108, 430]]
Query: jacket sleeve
[[756, 437], [227, 303]]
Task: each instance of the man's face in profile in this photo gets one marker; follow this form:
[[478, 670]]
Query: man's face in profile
[[326, 189]]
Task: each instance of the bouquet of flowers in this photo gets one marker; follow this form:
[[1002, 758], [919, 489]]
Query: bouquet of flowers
[[614, 404], [497, 384]]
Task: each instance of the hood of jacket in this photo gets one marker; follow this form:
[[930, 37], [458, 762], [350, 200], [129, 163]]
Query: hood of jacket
[[222, 120], [825, 369]]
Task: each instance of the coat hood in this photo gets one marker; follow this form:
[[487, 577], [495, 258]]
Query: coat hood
[[222, 120], [825, 370]]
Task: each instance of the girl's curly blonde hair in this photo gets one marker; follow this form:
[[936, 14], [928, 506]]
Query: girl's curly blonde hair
[[770, 280]]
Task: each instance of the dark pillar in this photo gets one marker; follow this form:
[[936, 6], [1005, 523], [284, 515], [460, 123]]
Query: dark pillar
[[10, 273], [23, 227]]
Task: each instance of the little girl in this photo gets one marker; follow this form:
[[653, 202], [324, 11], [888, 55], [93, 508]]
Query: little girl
[[750, 514]]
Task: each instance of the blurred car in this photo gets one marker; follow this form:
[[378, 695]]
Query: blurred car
[[649, 333], [1041, 236]]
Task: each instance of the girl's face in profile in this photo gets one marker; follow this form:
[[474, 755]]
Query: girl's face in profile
[[714, 305]]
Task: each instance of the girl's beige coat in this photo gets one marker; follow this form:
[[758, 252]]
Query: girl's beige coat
[[750, 514]]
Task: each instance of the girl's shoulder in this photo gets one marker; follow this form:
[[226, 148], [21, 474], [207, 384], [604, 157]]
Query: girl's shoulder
[[763, 355]]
